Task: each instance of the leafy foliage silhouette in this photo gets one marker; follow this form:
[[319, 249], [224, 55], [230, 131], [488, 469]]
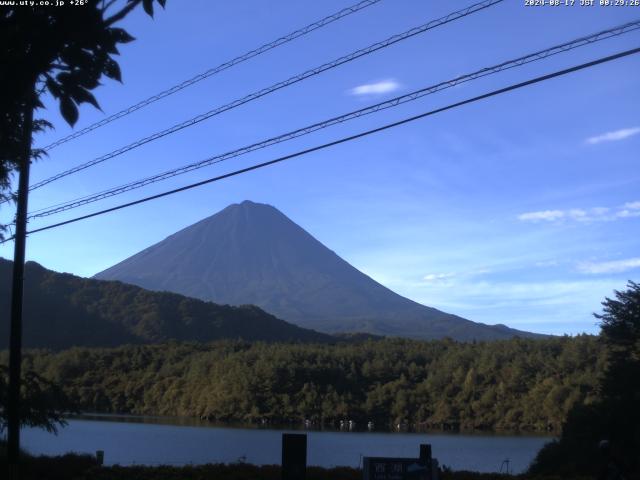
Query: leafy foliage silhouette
[[62, 51], [43, 402], [604, 437]]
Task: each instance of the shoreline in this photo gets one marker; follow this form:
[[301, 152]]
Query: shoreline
[[298, 426]]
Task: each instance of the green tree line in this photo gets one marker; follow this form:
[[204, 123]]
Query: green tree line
[[513, 384]]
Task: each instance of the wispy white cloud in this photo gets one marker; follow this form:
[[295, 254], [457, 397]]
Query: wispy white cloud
[[615, 266], [440, 279], [438, 276], [631, 209], [449, 279], [547, 263], [596, 214], [614, 136], [377, 88], [543, 215]]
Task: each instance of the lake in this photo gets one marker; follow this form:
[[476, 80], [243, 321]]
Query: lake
[[152, 443]]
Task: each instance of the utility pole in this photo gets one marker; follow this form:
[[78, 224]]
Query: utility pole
[[15, 341]]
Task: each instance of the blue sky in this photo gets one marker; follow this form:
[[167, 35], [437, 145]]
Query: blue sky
[[523, 209]]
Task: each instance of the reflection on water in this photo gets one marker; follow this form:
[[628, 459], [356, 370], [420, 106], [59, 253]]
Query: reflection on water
[[130, 440]]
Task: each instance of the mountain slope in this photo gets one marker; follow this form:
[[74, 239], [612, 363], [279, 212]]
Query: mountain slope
[[62, 310], [252, 253]]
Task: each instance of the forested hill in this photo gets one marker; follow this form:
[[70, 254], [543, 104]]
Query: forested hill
[[63, 310], [507, 384]]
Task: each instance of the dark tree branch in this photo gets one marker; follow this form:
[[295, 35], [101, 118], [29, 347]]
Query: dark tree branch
[[108, 5], [122, 13]]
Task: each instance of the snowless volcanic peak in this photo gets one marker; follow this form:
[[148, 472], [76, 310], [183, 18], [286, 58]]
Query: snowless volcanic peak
[[251, 253]]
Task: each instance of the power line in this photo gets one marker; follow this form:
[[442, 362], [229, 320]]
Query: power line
[[277, 86], [345, 139], [532, 57], [215, 70]]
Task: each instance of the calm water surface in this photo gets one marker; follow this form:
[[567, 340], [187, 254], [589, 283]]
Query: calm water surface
[[129, 443]]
